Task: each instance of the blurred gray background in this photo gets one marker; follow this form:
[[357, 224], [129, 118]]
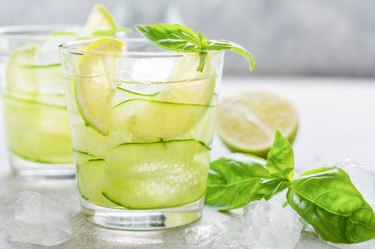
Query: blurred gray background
[[333, 38]]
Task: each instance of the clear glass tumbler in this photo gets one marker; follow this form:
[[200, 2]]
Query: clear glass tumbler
[[34, 102], [142, 125]]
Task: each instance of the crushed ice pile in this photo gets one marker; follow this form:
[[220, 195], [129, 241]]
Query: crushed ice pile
[[264, 225], [38, 221]]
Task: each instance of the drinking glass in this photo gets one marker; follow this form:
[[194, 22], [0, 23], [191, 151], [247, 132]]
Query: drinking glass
[[34, 102], [142, 126]]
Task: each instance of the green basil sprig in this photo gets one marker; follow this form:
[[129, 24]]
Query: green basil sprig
[[324, 197], [237, 179], [179, 38]]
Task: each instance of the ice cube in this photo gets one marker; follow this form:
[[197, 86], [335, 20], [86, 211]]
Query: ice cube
[[268, 225], [38, 221], [362, 177], [203, 235], [210, 236]]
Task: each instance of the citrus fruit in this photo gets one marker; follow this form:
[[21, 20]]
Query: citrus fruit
[[247, 122]]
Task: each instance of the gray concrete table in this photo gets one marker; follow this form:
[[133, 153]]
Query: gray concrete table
[[337, 120]]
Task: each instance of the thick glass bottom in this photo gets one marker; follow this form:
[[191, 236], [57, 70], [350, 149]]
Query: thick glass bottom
[[41, 171], [142, 220]]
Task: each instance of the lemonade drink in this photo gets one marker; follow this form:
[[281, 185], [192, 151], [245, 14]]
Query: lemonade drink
[[33, 91], [34, 103], [142, 127]]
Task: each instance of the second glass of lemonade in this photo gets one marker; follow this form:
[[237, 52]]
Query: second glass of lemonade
[[142, 126], [35, 111]]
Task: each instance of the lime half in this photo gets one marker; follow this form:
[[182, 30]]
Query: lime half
[[99, 19], [95, 84], [247, 122]]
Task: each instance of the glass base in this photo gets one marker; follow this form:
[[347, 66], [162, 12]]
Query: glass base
[[41, 171], [141, 220]]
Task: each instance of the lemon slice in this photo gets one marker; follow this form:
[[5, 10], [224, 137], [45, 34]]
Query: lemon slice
[[99, 19], [94, 85], [247, 122]]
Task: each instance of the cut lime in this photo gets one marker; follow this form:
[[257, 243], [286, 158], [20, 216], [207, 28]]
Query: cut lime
[[95, 85], [156, 175], [247, 122], [99, 19]]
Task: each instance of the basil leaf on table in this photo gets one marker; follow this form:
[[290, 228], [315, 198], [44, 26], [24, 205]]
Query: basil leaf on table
[[327, 199], [179, 38], [237, 179], [280, 159]]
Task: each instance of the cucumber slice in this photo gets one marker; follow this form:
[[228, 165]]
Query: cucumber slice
[[57, 101], [38, 132], [175, 111], [18, 77], [136, 90], [156, 175], [81, 157], [90, 179], [150, 120], [26, 77]]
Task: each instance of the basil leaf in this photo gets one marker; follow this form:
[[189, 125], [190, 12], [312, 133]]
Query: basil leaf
[[234, 47], [237, 179], [182, 39], [327, 199], [171, 37], [280, 159]]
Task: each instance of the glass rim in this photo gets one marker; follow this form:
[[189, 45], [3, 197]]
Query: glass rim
[[35, 31], [70, 48]]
